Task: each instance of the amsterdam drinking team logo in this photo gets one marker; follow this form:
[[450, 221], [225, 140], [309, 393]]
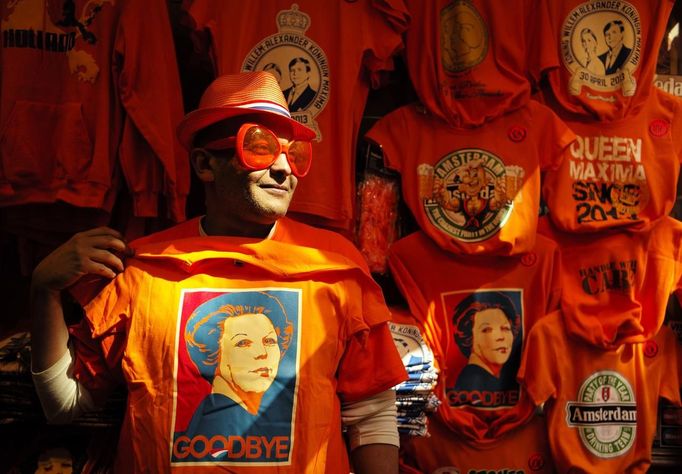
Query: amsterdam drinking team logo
[[299, 64], [605, 414], [469, 194], [463, 37], [600, 45]]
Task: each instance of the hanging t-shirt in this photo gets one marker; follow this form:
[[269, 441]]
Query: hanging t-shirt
[[616, 284], [237, 353], [475, 312], [524, 450], [323, 55], [600, 57], [88, 89], [600, 404], [468, 59], [473, 191], [619, 173]]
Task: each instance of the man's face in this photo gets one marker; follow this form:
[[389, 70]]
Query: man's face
[[298, 73], [613, 36], [258, 197]]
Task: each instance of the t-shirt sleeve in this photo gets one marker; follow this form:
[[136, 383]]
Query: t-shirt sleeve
[[100, 339], [381, 37], [538, 371], [387, 133], [554, 139], [370, 362]]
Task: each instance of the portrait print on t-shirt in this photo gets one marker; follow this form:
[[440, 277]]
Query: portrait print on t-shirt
[[237, 357], [600, 45], [299, 64], [486, 327]]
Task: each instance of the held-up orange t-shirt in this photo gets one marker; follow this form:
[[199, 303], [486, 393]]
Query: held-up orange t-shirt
[[600, 404], [336, 47], [473, 191], [327, 343], [467, 59], [616, 284], [600, 57], [619, 173], [446, 294]]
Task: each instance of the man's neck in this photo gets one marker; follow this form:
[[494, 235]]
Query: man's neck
[[215, 227]]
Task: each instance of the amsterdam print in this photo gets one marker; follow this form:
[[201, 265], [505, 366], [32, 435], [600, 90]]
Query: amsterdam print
[[469, 194], [600, 45], [237, 360], [299, 64]]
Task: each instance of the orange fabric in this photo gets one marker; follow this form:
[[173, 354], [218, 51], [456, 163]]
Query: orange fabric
[[435, 283], [344, 43], [98, 104], [578, 383], [468, 59], [342, 351], [619, 173], [525, 449], [587, 84], [616, 285], [473, 191]]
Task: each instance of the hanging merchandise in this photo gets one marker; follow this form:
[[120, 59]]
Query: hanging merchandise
[[600, 57], [468, 59], [89, 97], [616, 285], [524, 449], [473, 191], [619, 173], [325, 56], [600, 404], [476, 312]]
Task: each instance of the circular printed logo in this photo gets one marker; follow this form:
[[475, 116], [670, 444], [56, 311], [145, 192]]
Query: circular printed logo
[[299, 64], [659, 127], [463, 36], [600, 46], [469, 194], [605, 414]]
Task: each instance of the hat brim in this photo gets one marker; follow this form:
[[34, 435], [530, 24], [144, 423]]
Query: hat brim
[[200, 119]]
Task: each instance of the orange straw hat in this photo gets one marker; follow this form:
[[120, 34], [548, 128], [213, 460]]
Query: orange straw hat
[[247, 93]]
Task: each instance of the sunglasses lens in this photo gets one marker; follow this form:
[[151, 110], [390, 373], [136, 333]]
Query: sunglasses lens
[[260, 148], [300, 154]]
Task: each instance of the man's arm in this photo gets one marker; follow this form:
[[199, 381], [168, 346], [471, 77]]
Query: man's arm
[[92, 252], [373, 432]]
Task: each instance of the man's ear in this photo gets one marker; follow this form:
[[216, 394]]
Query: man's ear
[[202, 162]]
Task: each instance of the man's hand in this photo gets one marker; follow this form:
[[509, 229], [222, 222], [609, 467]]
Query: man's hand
[[97, 252]]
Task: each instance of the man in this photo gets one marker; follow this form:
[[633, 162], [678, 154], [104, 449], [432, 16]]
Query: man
[[618, 53], [340, 361], [300, 94]]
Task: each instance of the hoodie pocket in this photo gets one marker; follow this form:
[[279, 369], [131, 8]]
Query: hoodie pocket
[[42, 143]]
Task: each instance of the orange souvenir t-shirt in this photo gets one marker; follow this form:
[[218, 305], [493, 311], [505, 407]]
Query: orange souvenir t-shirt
[[475, 312], [323, 55], [600, 405], [619, 173], [523, 450], [616, 284], [473, 191], [307, 331], [600, 57], [468, 59]]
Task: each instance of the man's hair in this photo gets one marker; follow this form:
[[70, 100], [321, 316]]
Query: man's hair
[[300, 60], [618, 23], [466, 310]]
